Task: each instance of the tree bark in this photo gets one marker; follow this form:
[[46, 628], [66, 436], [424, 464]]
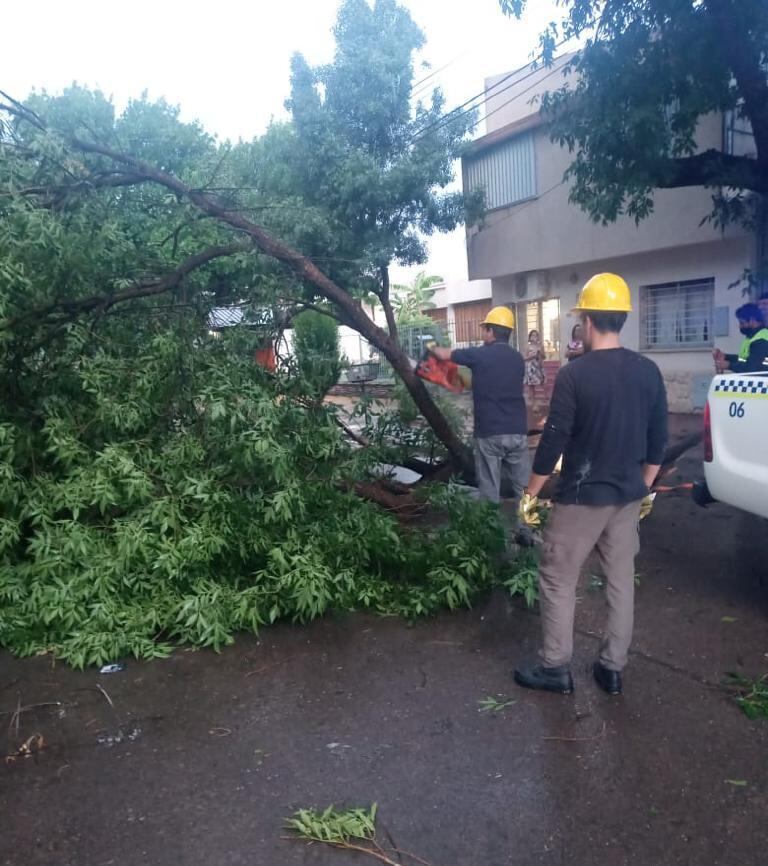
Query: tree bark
[[386, 303]]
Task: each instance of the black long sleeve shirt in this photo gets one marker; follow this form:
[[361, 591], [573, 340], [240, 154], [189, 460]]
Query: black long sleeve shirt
[[608, 417]]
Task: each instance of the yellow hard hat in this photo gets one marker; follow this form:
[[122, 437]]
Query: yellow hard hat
[[605, 293], [501, 316]]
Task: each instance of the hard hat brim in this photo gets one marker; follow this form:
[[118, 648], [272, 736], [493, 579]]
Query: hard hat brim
[[601, 310]]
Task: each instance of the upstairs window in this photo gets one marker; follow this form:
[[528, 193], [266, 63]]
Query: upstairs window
[[506, 172]]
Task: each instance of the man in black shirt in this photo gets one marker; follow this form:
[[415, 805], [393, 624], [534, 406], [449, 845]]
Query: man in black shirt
[[501, 420], [608, 419]]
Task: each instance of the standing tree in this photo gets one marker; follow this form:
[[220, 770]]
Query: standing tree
[[646, 73]]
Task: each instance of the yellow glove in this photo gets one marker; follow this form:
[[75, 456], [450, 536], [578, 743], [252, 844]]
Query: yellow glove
[[646, 506], [528, 510]]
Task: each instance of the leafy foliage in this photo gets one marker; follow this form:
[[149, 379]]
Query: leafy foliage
[[646, 75], [316, 347], [351, 830], [494, 704], [524, 578], [751, 695], [412, 300], [334, 826], [357, 156], [173, 494]]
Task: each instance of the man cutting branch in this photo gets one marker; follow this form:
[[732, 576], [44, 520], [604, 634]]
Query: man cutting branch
[[608, 419]]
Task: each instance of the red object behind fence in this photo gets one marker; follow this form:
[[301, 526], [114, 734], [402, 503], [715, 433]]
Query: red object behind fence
[[266, 358]]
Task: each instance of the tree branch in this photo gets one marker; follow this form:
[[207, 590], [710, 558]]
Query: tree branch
[[387, 304], [710, 168], [72, 309], [107, 180]]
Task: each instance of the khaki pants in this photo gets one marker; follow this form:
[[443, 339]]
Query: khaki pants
[[572, 532]]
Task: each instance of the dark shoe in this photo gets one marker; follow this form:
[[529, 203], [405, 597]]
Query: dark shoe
[[609, 681], [546, 679]]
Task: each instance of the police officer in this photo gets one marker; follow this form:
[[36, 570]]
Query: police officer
[[753, 354]]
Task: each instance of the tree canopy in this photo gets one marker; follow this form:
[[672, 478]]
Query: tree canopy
[[646, 73]]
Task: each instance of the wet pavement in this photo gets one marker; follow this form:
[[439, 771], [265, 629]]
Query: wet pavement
[[198, 759]]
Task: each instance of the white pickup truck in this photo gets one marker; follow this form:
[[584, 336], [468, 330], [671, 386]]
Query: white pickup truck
[[736, 442]]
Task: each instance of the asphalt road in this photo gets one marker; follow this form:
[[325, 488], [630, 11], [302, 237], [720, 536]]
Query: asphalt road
[[203, 756]]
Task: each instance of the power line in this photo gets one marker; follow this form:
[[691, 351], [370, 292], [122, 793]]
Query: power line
[[485, 93], [419, 87], [456, 113]]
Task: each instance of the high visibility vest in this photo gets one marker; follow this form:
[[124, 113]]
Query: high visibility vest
[[762, 334]]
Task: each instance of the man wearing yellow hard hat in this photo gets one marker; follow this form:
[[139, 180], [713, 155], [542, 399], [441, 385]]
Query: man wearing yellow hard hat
[[608, 420], [501, 419]]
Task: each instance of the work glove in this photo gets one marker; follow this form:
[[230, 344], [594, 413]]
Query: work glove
[[529, 510], [646, 506]]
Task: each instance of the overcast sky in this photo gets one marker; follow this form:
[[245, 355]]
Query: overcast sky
[[226, 63]]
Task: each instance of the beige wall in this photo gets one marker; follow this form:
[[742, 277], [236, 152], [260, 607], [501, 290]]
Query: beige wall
[[513, 98], [684, 370], [549, 232]]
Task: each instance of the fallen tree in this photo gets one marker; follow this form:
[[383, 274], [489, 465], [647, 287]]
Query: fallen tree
[[157, 486]]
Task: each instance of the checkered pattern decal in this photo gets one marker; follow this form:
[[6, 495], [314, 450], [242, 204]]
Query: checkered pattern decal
[[743, 387]]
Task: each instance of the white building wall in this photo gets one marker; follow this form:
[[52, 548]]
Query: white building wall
[[461, 292], [685, 371]]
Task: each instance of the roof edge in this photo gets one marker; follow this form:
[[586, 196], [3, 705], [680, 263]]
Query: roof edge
[[525, 124]]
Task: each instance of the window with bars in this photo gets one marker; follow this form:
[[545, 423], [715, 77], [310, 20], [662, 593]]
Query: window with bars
[[677, 315]]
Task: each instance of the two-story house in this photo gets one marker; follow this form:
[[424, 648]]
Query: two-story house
[[537, 249]]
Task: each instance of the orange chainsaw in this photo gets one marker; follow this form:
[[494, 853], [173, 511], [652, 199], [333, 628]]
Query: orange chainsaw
[[446, 374]]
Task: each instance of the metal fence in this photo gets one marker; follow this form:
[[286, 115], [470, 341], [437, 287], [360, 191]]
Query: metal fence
[[374, 367]]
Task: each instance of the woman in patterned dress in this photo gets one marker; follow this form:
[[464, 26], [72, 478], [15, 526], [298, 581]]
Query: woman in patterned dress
[[534, 367]]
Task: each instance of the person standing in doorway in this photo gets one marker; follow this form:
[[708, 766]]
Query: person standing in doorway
[[534, 368], [608, 419], [501, 421], [575, 347]]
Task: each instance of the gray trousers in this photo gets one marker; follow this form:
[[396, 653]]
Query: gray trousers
[[498, 456], [571, 533]]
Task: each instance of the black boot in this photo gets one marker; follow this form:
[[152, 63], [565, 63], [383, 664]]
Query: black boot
[[546, 679], [608, 680]]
